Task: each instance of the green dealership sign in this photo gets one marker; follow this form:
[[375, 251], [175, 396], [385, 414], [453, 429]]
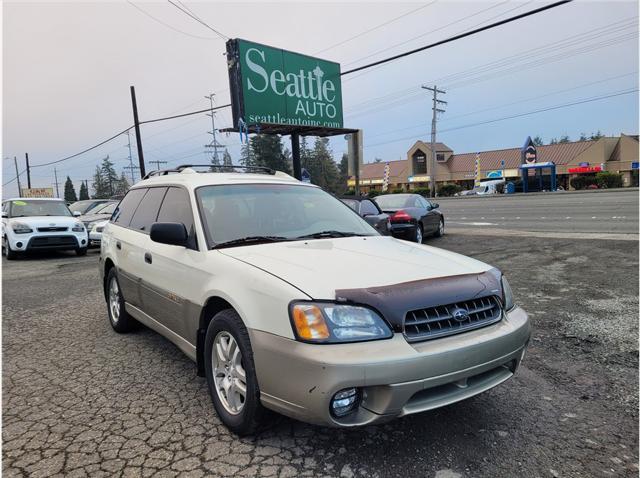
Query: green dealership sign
[[279, 87]]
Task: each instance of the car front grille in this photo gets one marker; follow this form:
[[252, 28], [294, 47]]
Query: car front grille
[[52, 229], [442, 320], [52, 241]]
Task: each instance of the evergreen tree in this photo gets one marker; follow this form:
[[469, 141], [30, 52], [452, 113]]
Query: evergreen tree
[[122, 185], [101, 190], [324, 171], [596, 136], [246, 157], [343, 167], [84, 194], [538, 141], [105, 180], [266, 150], [583, 137], [69, 191], [564, 139], [553, 141]]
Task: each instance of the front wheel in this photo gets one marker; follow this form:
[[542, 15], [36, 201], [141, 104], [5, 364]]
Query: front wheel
[[231, 373], [81, 251], [11, 254]]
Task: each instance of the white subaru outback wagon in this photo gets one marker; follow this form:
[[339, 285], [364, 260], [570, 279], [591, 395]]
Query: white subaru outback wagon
[[287, 300]]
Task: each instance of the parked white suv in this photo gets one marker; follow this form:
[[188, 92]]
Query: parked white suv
[[288, 300], [33, 224]]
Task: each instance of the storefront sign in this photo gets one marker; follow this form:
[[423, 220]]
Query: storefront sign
[[37, 193], [583, 164], [584, 169], [634, 165], [419, 179], [529, 153], [270, 85], [497, 174]]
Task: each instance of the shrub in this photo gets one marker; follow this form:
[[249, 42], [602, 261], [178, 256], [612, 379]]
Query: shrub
[[397, 191], [583, 182], [447, 190], [606, 179], [373, 193], [350, 192], [422, 191]]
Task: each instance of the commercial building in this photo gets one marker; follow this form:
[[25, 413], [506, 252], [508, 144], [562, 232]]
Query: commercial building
[[614, 154]]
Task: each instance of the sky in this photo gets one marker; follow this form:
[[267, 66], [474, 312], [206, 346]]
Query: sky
[[67, 69]]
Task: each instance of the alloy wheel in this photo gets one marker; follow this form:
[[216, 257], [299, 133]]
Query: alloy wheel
[[228, 373], [114, 300]]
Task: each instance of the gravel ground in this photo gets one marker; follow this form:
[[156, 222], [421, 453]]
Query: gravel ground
[[80, 400]]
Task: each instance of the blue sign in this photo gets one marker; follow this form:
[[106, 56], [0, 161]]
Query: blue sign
[[583, 164], [494, 174], [305, 176], [634, 165]]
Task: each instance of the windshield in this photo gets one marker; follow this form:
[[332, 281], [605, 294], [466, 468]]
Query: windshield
[[392, 201], [104, 208], [25, 207], [274, 211], [82, 206]]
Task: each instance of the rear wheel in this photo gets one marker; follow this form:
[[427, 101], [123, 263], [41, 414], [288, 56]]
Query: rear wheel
[[120, 320], [81, 251], [440, 231], [417, 234], [231, 374]]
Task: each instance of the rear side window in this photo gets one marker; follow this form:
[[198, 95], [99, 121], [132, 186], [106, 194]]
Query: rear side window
[[124, 212], [147, 210], [368, 208]]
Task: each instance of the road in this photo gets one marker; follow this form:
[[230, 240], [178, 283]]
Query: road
[[593, 212], [81, 400]]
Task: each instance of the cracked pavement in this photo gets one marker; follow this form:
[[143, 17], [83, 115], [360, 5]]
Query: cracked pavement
[[81, 400]]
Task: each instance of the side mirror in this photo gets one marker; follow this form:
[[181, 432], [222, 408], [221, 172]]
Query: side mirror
[[4, 214], [172, 233], [77, 214], [435, 205]]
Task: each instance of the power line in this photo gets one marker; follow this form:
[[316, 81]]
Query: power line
[[375, 28], [12, 180], [458, 37], [519, 115], [197, 19], [166, 24], [186, 114]]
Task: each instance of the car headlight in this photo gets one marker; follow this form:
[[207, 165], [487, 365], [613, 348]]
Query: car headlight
[[507, 293], [78, 227], [326, 322], [21, 228]]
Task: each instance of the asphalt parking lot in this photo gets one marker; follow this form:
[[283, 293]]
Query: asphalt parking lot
[[80, 400]]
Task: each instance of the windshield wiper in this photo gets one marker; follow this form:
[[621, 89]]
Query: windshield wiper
[[330, 233], [250, 240]]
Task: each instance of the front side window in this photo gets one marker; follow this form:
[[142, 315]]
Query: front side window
[[147, 211], [28, 208], [276, 212]]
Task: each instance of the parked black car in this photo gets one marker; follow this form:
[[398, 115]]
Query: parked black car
[[370, 212], [86, 205], [412, 216]]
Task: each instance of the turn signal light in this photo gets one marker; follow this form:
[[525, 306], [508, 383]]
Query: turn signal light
[[309, 322], [400, 216]]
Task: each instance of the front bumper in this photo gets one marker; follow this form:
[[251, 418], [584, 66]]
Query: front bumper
[[39, 241], [396, 378], [95, 237]]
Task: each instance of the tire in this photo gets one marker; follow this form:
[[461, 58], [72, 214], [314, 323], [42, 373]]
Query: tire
[[11, 254], [226, 338], [81, 251], [418, 235], [119, 319], [440, 231]]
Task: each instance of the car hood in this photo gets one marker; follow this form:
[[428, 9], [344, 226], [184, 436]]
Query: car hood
[[45, 221], [320, 267]]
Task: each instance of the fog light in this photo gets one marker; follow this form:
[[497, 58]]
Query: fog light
[[83, 242], [19, 245], [345, 402]]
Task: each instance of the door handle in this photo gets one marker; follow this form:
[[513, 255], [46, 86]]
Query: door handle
[[118, 245], [147, 258]]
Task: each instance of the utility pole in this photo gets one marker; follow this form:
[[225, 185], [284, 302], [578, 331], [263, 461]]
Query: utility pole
[[131, 167], [136, 123], [15, 162], [434, 118], [214, 142], [55, 174], [158, 162], [26, 158]]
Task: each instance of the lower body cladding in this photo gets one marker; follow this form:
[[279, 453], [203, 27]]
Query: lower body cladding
[[392, 378]]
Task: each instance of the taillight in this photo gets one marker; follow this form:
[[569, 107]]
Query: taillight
[[401, 216]]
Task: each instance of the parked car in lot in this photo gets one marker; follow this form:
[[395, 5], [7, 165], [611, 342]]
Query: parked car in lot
[[30, 224], [267, 284], [95, 220], [370, 212], [412, 216], [85, 205]]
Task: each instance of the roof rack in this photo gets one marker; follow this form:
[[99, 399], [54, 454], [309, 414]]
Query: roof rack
[[221, 168]]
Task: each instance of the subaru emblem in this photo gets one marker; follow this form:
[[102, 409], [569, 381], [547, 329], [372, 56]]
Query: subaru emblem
[[460, 315]]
